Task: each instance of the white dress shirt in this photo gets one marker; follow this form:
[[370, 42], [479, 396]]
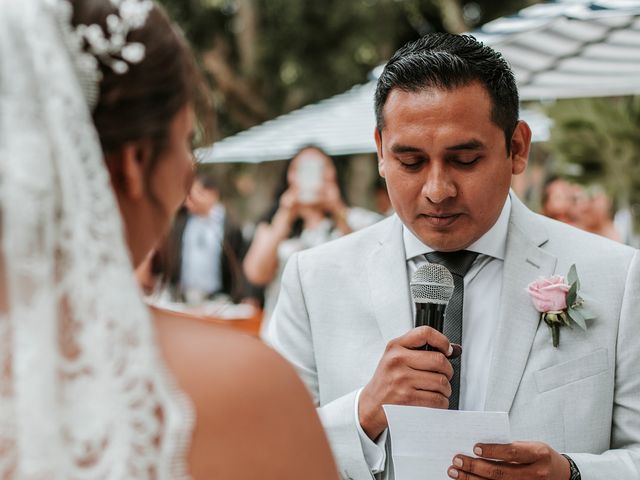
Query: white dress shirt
[[201, 269], [481, 309]]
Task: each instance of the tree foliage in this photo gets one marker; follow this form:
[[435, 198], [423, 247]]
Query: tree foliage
[[267, 57]]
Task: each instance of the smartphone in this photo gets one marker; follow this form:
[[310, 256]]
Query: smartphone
[[309, 175]]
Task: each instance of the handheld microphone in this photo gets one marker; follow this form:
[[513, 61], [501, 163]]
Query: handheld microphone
[[431, 288]]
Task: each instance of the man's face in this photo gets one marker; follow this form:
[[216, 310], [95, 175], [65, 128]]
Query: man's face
[[446, 163]]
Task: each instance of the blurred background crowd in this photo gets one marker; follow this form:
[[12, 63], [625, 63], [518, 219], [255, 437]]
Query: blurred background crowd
[[294, 163]]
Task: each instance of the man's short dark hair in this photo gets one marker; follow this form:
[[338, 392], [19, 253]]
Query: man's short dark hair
[[447, 61]]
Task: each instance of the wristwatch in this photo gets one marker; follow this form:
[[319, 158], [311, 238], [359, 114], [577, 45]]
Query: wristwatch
[[573, 469]]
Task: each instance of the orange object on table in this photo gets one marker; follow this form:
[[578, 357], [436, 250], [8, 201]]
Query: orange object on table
[[244, 318]]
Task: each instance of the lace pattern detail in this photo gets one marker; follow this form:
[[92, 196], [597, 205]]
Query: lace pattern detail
[[83, 393]]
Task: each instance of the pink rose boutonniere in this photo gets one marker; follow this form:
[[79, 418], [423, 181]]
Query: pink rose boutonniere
[[558, 302]]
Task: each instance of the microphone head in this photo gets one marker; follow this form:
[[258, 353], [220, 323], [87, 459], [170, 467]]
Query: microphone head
[[431, 283]]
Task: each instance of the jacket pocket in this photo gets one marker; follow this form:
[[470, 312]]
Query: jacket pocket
[[568, 372]]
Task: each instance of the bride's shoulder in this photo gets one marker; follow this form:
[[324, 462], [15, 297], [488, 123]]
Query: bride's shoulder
[[251, 408], [199, 352]]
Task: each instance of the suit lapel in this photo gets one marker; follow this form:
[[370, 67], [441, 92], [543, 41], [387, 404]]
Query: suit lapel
[[524, 262], [388, 283]]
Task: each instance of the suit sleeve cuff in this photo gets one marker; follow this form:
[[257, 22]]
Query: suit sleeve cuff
[[374, 452]]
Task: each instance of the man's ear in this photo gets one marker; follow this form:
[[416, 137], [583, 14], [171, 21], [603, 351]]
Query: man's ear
[[378, 136], [520, 146], [128, 168]]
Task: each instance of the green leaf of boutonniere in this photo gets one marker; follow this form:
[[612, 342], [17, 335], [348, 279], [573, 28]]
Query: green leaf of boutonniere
[[584, 308], [572, 277], [572, 296], [578, 318]]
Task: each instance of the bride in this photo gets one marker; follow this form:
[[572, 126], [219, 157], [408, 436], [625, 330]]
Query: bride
[[96, 113]]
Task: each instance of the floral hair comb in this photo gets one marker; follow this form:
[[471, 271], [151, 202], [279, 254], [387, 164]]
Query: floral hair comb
[[91, 44]]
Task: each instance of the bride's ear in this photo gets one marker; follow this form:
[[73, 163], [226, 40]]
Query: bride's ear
[[128, 169]]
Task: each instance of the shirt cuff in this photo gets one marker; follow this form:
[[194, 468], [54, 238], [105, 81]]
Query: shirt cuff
[[374, 452]]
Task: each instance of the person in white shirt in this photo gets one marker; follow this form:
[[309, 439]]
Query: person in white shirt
[[448, 142], [202, 258]]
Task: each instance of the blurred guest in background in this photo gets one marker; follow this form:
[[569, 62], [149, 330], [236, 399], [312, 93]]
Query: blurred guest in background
[[624, 223], [595, 214], [588, 209], [559, 200], [381, 198], [310, 209], [204, 251]]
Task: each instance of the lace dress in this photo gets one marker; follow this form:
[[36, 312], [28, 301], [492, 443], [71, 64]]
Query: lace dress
[[83, 391]]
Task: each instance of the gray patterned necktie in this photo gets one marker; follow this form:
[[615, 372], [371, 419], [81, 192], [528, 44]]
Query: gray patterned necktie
[[458, 263]]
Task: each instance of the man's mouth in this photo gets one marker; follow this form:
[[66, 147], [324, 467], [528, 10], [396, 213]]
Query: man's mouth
[[440, 219]]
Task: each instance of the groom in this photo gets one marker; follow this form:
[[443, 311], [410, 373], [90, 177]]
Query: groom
[[449, 141]]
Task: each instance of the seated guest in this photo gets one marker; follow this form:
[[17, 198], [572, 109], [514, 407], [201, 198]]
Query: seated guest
[[96, 117]]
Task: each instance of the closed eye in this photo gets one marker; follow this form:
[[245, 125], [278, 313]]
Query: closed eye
[[411, 164], [466, 162]]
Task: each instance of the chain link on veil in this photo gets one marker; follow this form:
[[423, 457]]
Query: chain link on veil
[[83, 391]]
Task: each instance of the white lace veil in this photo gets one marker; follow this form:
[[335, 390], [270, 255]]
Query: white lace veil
[[83, 393]]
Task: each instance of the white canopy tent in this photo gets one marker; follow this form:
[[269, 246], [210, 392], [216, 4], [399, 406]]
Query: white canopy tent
[[571, 48], [563, 49]]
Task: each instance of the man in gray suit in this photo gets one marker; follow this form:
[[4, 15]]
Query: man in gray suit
[[449, 141]]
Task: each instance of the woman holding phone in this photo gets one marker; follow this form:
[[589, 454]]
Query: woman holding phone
[[310, 209]]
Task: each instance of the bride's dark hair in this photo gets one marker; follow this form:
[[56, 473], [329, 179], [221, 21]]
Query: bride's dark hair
[[141, 104]]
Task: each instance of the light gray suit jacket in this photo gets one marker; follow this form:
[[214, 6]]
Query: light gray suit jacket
[[342, 302]]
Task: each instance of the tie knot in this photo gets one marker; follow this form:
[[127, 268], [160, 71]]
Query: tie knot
[[457, 263]]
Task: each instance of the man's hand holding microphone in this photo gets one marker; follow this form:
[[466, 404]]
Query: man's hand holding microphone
[[406, 373]]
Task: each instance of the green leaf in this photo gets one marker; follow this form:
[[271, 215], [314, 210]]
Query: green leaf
[[572, 276], [578, 318], [573, 294], [585, 310]]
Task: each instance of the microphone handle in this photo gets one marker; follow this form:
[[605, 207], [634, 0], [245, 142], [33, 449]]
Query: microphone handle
[[431, 315]]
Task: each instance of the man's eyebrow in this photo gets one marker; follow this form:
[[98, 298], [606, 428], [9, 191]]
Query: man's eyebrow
[[399, 148], [470, 145]]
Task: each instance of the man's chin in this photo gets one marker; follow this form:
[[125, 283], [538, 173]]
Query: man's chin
[[449, 241]]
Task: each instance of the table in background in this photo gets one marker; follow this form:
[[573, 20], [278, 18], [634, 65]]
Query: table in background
[[244, 318]]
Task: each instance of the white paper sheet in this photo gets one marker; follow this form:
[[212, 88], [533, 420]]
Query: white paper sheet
[[425, 440]]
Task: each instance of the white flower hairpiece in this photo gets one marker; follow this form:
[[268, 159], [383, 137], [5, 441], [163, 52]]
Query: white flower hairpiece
[[90, 44], [131, 15]]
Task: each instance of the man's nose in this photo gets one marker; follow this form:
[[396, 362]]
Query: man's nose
[[438, 185]]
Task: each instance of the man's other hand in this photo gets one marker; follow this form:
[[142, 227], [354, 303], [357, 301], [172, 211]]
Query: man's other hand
[[512, 461], [407, 375]]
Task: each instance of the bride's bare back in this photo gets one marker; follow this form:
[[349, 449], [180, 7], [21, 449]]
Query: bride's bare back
[[255, 419]]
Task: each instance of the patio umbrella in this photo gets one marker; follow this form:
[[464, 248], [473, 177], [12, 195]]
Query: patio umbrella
[[571, 49]]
